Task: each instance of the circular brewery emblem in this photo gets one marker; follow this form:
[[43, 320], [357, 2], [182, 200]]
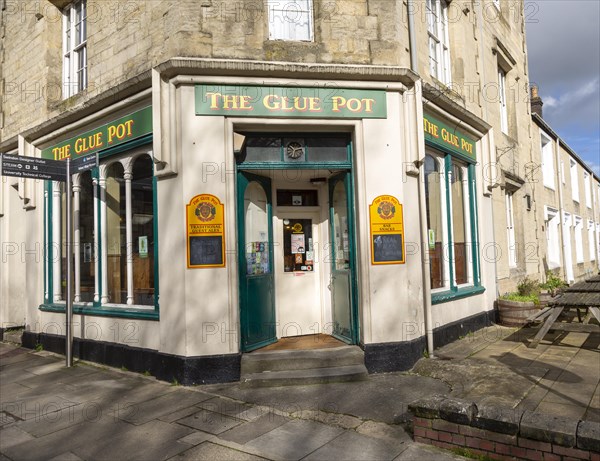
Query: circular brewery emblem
[[205, 211], [297, 228], [386, 210], [294, 150]]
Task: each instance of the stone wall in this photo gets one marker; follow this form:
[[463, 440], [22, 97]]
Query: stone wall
[[126, 39]]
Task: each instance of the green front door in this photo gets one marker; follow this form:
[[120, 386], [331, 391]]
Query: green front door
[[343, 280], [255, 250]]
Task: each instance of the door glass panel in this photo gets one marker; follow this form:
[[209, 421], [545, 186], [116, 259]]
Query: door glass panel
[[298, 252], [257, 230], [341, 250]]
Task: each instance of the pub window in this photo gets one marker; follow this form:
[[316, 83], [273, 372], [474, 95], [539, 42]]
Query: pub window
[[75, 77], [290, 20], [435, 220], [451, 220], [114, 234]]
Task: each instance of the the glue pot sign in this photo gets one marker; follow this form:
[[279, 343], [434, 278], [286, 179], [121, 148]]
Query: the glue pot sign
[[111, 134], [286, 101]]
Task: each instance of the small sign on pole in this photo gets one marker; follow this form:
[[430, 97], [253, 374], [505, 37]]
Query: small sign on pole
[[33, 168]]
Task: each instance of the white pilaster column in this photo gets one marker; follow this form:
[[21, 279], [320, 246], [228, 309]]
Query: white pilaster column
[[104, 298], [128, 234], [96, 241], [77, 235]]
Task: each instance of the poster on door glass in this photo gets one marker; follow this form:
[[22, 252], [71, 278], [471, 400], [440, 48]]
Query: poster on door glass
[[257, 258], [298, 243], [298, 255]]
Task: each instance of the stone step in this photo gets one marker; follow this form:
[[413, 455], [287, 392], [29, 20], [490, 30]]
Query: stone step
[[13, 336], [306, 376], [288, 360]]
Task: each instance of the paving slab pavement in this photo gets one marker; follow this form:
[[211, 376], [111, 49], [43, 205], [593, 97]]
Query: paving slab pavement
[[94, 413], [89, 412], [494, 365]]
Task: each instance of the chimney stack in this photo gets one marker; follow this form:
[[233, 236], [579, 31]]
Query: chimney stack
[[536, 101]]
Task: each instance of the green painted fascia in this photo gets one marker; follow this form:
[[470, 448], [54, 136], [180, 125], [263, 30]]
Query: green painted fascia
[[462, 157], [146, 139], [446, 296], [125, 312]]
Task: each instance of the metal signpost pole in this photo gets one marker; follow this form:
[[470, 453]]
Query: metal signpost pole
[[69, 251]]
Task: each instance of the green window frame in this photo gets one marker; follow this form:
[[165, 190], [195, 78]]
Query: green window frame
[[454, 256], [139, 302]]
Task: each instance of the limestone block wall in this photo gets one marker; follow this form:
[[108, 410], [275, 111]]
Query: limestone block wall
[[126, 39]]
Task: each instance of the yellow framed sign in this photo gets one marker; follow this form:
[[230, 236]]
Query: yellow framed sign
[[205, 228], [387, 230]]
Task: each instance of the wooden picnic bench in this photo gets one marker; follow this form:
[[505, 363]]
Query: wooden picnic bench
[[582, 295]]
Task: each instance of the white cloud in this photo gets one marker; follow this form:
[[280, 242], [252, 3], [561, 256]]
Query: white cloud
[[549, 101], [573, 97]]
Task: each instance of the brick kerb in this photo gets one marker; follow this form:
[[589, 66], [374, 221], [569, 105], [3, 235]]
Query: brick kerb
[[497, 430]]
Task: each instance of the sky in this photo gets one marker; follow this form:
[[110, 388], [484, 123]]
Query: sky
[[563, 43]]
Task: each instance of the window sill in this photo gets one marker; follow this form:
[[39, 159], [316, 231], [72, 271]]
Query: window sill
[[105, 311], [446, 296]]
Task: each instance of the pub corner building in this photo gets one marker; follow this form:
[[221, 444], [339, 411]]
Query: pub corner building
[[237, 203]]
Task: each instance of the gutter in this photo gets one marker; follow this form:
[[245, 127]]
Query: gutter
[[425, 264]]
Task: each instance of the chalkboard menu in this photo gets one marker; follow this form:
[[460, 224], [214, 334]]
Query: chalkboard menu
[[387, 230], [206, 250], [388, 248], [205, 220]]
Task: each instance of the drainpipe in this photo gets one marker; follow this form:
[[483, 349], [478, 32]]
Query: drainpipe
[[412, 40], [425, 264], [561, 171]]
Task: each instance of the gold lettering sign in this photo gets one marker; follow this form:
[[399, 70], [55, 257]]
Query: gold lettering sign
[[205, 226], [387, 230]]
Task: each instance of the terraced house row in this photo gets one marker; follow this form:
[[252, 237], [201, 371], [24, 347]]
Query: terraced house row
[[369, 170]]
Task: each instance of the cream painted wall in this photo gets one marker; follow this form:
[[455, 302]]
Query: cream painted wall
[[210, 327], [395, 301]]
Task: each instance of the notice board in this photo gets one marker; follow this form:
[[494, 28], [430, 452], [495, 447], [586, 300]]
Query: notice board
[[387, 231], [205, 232]]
